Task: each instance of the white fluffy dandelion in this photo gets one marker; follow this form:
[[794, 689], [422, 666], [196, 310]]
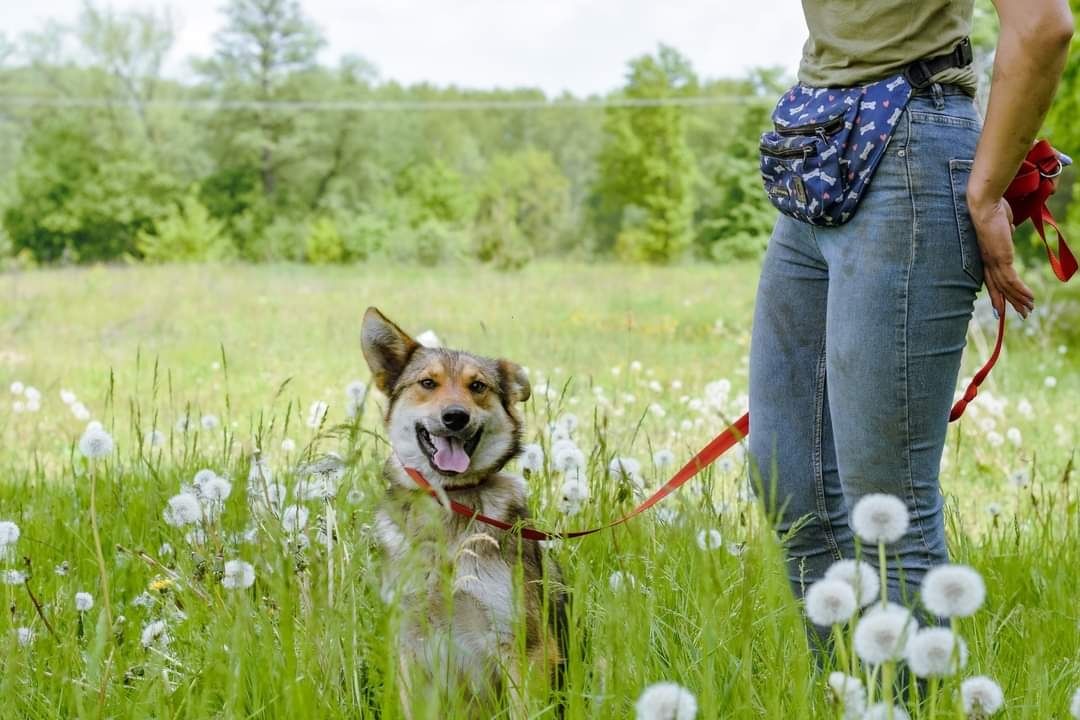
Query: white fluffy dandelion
[[1050, 381], [1013, 435], [532, 458], [155, 439], [155, 633], [1074, 707], [572, 496], [80, 411], [951, 591], [83, 601], [849, 693], [710, 539], [183, 509], [288, 445], [294, 519], [880, 711], [9, 533], [17, 388], [982, 697], [620, 579], [316, 413], [666, 701], [239, 575], [209, 421], [215, 489], [882, 633], [566, 456], [878, 518], [13, 577], [67, 397], [25, 636], [663, 458], [429, 339], [95, 442], [861, 576], [624, 466], [931, 653], [830, 602]]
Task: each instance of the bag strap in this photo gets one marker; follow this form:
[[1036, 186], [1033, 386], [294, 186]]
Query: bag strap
[[920, 72], [1027, 195]]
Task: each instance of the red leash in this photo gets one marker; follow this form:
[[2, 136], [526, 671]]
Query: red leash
[[1026, 196]]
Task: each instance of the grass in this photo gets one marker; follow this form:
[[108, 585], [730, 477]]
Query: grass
[[142, 347]]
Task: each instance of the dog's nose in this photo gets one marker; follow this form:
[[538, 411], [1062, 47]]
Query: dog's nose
[[455, 418]]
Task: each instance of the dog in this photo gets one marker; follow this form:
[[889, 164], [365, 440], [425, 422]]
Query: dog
[[467, 627]]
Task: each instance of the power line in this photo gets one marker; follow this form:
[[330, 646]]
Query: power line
[[29, 101]]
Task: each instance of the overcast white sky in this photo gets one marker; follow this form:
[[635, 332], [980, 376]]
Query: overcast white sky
[[576, 45]]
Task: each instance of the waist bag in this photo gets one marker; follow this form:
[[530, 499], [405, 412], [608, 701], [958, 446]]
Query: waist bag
[[826, 142]]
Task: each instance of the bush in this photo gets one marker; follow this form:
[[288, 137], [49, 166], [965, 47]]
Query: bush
[[323, 245], [498, 239], [430, 244], [364, 236], [187, 233]]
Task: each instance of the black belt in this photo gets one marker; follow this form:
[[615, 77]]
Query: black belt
[[918, 73]]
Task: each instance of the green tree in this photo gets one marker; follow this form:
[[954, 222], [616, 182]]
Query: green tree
[[526, 189], [646, 164]]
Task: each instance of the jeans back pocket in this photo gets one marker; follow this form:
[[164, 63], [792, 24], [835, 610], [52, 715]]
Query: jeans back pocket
[[959, 173]]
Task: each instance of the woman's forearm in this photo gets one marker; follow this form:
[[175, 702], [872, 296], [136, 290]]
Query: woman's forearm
[[1031, 54]]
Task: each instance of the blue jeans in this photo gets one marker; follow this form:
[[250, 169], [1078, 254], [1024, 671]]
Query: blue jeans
[[855, 351]]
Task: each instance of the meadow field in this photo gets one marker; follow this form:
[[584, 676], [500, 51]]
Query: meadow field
[[255, 373]]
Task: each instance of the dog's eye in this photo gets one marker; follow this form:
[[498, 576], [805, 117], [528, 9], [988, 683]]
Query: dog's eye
[[477, 387], [428, 384]]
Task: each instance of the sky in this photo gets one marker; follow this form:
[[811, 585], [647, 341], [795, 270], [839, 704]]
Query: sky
[[577, 45]]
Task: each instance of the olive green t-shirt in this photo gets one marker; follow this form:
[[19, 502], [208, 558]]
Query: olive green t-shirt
[[856, 41]]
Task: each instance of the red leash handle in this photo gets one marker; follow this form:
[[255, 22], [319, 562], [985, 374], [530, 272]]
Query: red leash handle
[[707, 456]]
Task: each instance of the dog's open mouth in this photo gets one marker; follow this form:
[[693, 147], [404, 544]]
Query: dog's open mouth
[[449, 455]]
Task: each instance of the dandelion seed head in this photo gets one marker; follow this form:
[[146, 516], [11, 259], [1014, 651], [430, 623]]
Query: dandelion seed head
[[14, 577], [155, 633], [356, 391], [663, 458], [1050, 381], [144, 600], [880, 711], [67, 397], [155, 439], [830, 602], [878, 518], [982, 697], [848, 693], [1074, 707], [951, 591], [288, 445], [882, 633], [80, 411], [316, 413], [1013, 435], [294, 519], [95, 442], [25, 636], [83, 601], [930, 653], [572, 495], [1021, 477], [620, 579], [666, 701], [215, 490], [995, 439], [624, 466], [532, 458], [9, 533], [860, 575], [17, 388], [209, 421], [239, 575], [183, 509], [710, 539]]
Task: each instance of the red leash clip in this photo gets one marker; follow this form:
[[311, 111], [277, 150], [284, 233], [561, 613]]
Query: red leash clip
[[1027, 194]]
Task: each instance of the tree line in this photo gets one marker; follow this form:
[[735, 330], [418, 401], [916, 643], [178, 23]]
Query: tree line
[[266, 154]]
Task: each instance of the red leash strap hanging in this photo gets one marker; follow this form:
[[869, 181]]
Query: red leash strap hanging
[[717, 447], [1027, 194]]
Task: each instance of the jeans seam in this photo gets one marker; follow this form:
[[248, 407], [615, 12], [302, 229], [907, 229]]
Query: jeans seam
[[818, 469], [904, 347]]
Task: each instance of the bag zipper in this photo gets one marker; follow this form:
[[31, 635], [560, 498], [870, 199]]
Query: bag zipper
[[820, 129], [787, 152]]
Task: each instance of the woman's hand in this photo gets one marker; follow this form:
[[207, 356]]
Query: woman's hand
[[993, 221]]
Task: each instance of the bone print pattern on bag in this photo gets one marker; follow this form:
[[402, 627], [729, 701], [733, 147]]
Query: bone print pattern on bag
[[819, 158]]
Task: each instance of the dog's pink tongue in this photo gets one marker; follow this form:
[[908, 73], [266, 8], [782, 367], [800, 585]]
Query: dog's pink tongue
[[450, 454]]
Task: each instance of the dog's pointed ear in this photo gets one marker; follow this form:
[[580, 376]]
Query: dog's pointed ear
[[515, 381], [387, 349]]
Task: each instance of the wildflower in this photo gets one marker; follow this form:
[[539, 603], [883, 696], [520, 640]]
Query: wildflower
[[1050, 381], [25, 636], [155, 633], [995, 439], [830, 602], [61, 569], [182, 424], [155, 438], [567, 422], [18, 407], [663, 458], [83, 601], [294, 519], [320, 478], [982, 697], [880, 711], [862, 578], [183, 509], [655, 386], [883, 632], [316, 413], [1013, 436], [288, 445], [429, 339], [215, 490], [209, 422], [666, 701], [1074, 708], [849, 693], [624, 467], [953, 591], [532, 458], [239, 575], [635, 366], [1024, 408], [161, 584], [930, 653], [80, 411], [657, 410], [879, 518], [260, 472], [618, 579], [14, 577], [95, 442], [710, 539], [9, 533], [566, 456], [67, 397], [1020, 477], [17, 388], [667, 516], [356, 391], [144, 600], [573, 495]]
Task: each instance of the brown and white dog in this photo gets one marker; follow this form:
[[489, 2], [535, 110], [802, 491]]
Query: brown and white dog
[[482, 610]]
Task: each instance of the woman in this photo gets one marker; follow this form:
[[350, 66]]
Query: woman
[[859, 329]]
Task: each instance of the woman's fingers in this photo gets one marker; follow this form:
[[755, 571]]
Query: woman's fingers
[[1008, 285]]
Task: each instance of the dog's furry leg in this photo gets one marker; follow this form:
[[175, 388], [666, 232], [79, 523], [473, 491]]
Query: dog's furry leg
[[404, 687]]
